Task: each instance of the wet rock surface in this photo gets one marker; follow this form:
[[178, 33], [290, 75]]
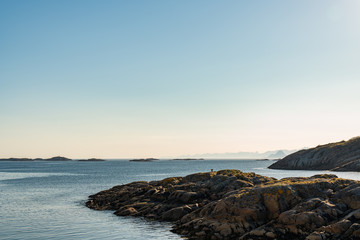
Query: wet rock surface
[[230, 204]]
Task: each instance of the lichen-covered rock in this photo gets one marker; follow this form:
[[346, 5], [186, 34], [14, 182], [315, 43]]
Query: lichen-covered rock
[[230, 204]]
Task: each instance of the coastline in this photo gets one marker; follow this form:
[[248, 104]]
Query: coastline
[[230, 204]]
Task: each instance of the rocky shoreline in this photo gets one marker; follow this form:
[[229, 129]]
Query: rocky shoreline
[[230, 204], [339, 156]]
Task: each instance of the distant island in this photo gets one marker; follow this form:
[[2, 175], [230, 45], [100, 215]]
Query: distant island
[[144, 160], [187, 159], [58, 158], [338, 156], [17, 159], [91, 160]]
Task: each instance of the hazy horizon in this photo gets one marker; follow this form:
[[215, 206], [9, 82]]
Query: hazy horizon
[[135, 79], [225, 155]]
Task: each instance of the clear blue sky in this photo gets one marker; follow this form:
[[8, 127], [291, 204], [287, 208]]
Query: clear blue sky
[[165, 78]]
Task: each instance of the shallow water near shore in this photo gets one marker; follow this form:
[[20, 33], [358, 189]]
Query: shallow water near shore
[[45, 200]]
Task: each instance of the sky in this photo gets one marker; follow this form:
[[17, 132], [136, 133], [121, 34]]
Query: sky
[[133, 79]]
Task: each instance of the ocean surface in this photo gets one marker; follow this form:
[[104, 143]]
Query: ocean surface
[[45, 200]]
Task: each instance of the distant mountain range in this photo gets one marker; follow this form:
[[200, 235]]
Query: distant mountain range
[[276, 154]]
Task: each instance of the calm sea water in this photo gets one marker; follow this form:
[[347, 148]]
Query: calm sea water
[[45, 200]]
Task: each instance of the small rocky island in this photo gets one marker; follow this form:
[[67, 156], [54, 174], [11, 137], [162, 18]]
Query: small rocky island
[[144, 160], [339, 156], [230, 204], [91, 160], [188, 159], [57, 159]]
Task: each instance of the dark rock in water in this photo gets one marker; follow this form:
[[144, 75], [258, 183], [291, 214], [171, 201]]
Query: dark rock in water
[[52, 159], [37, 159], [340, 156], [143, 160], [17, 159], [187, 159], [91, 160], [230, 204]]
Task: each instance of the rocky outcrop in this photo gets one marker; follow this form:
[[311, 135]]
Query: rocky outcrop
[[57, 159], [230, 204], [340, 156], [91, 160], [17, 159], [144, 160], [187, 159]]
